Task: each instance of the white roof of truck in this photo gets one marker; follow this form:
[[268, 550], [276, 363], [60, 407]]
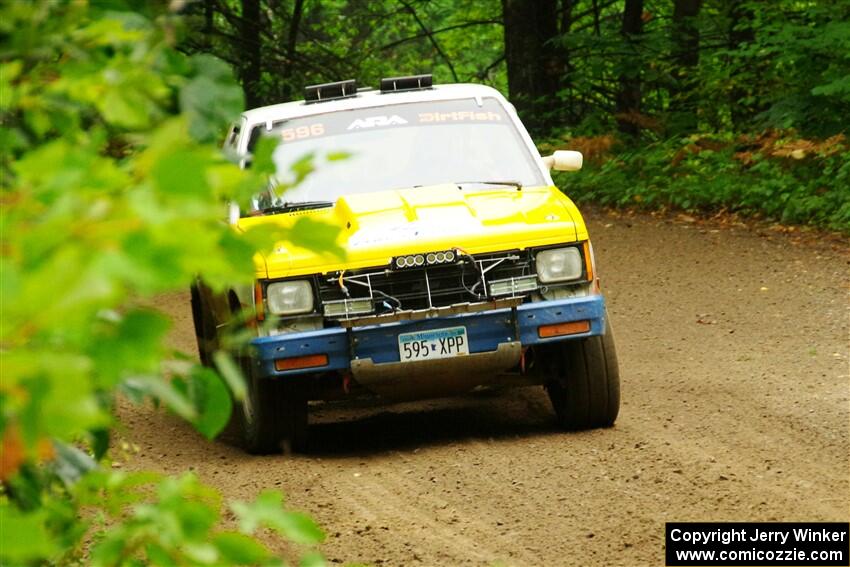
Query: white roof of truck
[[370, 98], [375, 99]]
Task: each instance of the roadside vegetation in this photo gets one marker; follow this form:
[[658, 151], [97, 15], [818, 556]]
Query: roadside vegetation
[[769, 176]]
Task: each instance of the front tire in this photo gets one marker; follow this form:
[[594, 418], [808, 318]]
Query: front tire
[[205, 330], [585, 381], [273, 416]]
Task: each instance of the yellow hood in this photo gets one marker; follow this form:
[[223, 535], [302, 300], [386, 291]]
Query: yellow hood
[[375, 227]]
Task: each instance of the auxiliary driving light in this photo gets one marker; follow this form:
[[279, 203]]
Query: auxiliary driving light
[[429, 259], [346, 307], [513, 286]]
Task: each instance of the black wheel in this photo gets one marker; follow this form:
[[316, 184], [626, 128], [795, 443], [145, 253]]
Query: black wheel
[[205, 331], [273, 416], [585, 381]]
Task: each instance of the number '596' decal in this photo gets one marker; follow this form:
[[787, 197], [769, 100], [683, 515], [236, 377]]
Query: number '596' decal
[[301, 132]]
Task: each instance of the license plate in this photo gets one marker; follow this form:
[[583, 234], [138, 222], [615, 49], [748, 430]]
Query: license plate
[[436, 343]]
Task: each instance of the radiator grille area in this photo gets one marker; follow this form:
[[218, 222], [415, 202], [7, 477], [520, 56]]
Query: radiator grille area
[[427, 287]]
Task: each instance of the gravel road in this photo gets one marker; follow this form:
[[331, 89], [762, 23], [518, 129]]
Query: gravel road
[[733, 346]]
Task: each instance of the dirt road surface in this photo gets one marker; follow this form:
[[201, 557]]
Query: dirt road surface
[[734, 360]]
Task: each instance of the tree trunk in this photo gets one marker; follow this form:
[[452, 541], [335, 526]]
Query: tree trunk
[[567, 15], [291, 48], [741, 32], [685, 36], [209, 24], [249, 34], [569, 110], [596, 28], [534, 68], [629, 95]]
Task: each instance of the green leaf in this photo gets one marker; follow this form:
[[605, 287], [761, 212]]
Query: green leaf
[[158, 555], [99, 442], [312, 559], [240, 549], [836, 87], [132, 346], [24, 536], [201, 552], [261, 159], [338, 156], [211, 99], [231, 373], [181, 174], [214, 402], [267, 510], [303, 167], [124, 107], [316, 235], [162, 390], [110, 550]]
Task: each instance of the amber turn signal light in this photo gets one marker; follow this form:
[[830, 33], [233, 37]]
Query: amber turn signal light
[[571, 328], [297, 362], [258, 301], [588, 260]]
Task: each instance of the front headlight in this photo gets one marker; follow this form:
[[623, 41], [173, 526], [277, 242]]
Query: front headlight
[[559, 265], [290, 298]]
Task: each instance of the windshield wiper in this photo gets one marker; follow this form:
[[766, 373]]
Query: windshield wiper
[[296, 206], [507, 183]]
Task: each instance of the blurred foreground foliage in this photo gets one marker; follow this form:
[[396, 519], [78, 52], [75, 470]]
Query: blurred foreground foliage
[[113, 191]]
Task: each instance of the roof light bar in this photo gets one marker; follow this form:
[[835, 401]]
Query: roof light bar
[[330, 91], [411, 83]]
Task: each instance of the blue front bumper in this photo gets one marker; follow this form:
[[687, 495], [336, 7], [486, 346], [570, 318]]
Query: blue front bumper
[[485, 331]]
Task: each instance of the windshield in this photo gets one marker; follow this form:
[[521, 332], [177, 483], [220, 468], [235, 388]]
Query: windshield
[[403, 145]]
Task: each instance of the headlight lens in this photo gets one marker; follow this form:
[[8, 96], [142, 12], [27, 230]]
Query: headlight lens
[[290, 298], [559, 265]]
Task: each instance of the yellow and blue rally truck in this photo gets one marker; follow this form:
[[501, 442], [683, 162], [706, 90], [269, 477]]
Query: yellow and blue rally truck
[[465, 266]]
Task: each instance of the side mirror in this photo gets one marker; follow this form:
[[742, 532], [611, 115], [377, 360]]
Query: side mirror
[[564, 160]]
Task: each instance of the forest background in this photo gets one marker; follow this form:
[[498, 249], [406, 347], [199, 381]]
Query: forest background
[[703, 105]]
